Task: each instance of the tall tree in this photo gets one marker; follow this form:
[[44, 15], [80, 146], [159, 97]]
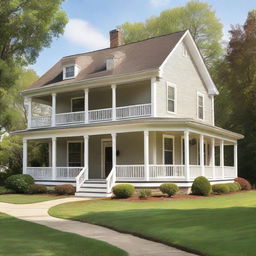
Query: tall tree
[[196, 16], [237, 77], [27, 26]]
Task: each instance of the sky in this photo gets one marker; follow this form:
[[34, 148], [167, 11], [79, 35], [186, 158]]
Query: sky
[[91, 20]]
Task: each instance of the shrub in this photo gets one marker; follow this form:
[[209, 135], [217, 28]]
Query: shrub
[[20, 183], [245, 184], [232, 187], [38, 189], [123, 190], [4, 190], [201, 186], [3, 177], [169, 188], [145, 193], [65, 189], [220, 188], [50, 190], [238, 187]]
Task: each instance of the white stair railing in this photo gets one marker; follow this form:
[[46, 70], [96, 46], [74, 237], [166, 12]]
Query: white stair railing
[[111, 180], [81, 178]]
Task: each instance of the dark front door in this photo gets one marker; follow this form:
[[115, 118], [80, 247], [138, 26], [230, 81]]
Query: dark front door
[[108, 160]]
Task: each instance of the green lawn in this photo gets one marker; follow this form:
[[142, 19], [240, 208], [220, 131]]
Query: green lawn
[[26, 199], [222, 225], [24, 238]]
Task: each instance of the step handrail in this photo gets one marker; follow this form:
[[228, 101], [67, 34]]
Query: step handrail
[[81, 178], [111, 180]]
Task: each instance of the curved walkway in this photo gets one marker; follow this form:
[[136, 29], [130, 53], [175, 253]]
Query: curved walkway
[[38, 213]]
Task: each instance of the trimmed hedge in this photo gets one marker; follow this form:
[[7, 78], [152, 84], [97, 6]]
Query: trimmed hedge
[[38, 189], [201, 186], [20, 183], [169, 188], [220, 188], [144, 193], [123, 190], [245, 184], [66, 189]]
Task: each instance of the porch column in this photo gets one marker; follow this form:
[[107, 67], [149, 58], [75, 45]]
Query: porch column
[[153, 96], [86, 153], [53, 158], [235, 160], [86, 105], [114, 152], [25, 156], [202, 154], [29, 99], [213, 156], [222, 158], [146, 154], [53, 109], [186, 151], [113, 86]]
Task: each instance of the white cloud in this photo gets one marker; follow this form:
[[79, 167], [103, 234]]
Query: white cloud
[[157, 3], [82, 33]]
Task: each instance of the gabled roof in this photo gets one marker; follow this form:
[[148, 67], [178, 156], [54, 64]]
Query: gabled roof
[[143, 55]]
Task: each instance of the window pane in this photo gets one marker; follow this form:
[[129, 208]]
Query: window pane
[[75, 154], [168, 142], [78, 105], [201, 112], [171, 93], [70, 71], [168, 158], [171, 105], [200, 101]]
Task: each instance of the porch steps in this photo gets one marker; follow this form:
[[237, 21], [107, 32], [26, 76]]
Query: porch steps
[[93, 188]]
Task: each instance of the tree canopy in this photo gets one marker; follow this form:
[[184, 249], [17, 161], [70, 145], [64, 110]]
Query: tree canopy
[[196, 16]]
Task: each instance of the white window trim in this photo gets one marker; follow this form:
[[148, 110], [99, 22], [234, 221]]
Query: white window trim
[[168, 84], [197, 105], [76, 71], [74, 141], [109, 141], [173, 146], [74, 98]]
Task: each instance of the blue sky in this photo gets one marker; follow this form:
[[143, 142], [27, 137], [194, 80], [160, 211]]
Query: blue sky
[[91, 20]]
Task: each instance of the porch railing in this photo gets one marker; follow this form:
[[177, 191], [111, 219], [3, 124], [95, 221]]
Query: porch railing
[[195, 171], [111, 179], [81, 178], [100, 115], [40, 173], [130, 172], [70, 118], [229, 172], [67, 173], [158, 172], [41, 121]]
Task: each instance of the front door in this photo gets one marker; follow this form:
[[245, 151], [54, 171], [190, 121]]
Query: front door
[[106, 158]]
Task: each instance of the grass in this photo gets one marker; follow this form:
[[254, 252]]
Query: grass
[[20, 237], [26, 199], [222, 225]]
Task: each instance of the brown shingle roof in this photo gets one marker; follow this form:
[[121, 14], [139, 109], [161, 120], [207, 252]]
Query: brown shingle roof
[[143, 55]]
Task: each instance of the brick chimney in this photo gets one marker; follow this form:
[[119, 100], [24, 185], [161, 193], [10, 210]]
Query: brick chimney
[[116, 38]]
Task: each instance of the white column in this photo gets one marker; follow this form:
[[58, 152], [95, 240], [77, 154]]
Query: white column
[[213, 156], [86, 105], [29, 116], [113, 86], [86, 154], [25, 156], [53, 158], [235, 159], [146, 154], [186, 151], [114, 152], [222, 157], [153, 96], [202, 154], [53, 109]]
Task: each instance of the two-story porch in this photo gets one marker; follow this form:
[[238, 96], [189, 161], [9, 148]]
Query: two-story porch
[[144, 158]]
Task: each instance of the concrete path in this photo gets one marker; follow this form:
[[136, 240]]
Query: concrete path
[[38, 213]]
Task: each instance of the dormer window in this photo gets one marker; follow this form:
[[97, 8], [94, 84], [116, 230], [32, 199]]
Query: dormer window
[[70, 71]]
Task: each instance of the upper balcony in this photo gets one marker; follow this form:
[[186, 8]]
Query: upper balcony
[[93, 105]]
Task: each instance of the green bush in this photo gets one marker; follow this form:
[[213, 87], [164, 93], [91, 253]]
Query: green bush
[[238, 187], [169, 188], [65, 189], [4, 190], [144, 193], [220, 188], [38, 189], [232, 187], [201, 186], [50, 190], [20, 183], [3, 177], [123, 190]]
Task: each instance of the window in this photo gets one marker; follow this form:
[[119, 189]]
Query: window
[[184, 51], [69, 71], [75, 153], [77, 104], [168, 149], [200, 106], [171, 97]]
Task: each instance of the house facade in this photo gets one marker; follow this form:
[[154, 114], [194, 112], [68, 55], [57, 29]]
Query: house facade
[[140, 113]]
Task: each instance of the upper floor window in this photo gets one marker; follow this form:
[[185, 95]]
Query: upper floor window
[[70, 71], [77, 104], [184, 51], [171, 97], [200, 105]]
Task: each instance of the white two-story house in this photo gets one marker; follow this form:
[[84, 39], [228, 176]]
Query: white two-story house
[[140, 113]]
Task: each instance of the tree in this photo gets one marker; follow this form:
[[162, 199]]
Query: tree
[[196, 16], [27, 26], [237, 77]]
